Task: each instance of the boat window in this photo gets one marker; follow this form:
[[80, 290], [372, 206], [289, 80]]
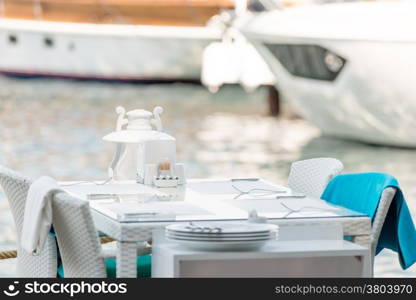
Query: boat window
[[13, 39], [256, 6], [261, 5], [48, 42], [308, 61]]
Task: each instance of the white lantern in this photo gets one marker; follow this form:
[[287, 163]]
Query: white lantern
[[144, 152]]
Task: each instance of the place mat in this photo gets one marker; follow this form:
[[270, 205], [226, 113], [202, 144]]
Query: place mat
[[132, 211], [231, 187]]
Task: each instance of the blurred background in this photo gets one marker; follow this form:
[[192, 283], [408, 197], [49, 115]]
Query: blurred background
[[66, 65]]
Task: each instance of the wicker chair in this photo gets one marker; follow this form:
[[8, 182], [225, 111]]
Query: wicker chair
[[311, 176], [45, 264], [79, 245], [78, 241], [380, 216]]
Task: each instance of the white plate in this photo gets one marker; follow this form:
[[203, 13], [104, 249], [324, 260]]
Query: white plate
[[208, 234], [218, 234], [216, 241], [219, 239], [242, 228], [223, 246]]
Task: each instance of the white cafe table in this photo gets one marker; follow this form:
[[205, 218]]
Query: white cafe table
[[211, 201]]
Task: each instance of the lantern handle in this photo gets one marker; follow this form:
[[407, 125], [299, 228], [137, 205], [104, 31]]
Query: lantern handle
[[120, 148], [121, 121], [156, 121]]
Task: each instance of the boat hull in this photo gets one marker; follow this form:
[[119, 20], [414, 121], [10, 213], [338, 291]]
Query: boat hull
[[352, 79], [373, 99], [103, 52]]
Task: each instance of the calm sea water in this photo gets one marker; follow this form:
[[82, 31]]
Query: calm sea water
[[55, 128]]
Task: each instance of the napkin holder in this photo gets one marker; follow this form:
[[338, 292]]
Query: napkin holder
[[165, 177]]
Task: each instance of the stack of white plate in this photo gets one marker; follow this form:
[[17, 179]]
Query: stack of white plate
[[206, 236]]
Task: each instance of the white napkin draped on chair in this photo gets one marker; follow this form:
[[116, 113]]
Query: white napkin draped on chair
[[37, 219]]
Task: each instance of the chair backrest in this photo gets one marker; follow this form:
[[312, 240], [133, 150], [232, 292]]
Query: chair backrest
[[16, 188], [311, 176], [77, 237], [380, 216]]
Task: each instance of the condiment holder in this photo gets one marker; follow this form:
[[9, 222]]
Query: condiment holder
[[165, 176]]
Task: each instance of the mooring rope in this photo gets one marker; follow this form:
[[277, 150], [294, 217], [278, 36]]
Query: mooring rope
[[8, 254], [106, 239]]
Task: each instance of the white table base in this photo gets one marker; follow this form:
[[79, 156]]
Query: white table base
[[128, 235], [312, 258]]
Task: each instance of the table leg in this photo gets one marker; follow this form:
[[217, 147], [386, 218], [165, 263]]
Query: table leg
[[367, 266], [126, 259], [365, 241]]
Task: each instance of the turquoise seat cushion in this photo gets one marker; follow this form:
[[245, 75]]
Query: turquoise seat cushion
[[144, 266]]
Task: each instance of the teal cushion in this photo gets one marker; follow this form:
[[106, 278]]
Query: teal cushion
[[143, 264]]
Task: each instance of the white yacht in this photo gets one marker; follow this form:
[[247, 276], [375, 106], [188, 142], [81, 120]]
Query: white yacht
[[106, 52], [348, 68], [116, 40]]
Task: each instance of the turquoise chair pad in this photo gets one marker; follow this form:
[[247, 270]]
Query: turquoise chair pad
[[144, 267]]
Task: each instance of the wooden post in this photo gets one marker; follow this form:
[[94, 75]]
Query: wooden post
[[2, 9], [37, 10], [273, 101]]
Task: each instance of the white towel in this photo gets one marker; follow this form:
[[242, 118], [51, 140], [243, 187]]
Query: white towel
[[38, 214]]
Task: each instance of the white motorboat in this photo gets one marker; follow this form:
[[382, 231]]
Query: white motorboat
[[117, 40], [111, 52], [347, 68]]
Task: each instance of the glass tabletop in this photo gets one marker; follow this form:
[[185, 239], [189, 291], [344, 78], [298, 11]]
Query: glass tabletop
[[205, 200]]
